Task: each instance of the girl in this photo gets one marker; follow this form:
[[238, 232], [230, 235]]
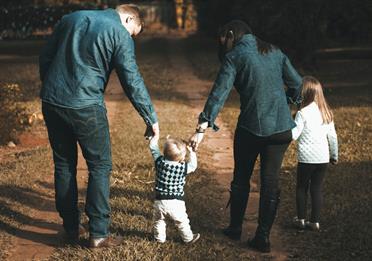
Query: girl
[[317, 146]]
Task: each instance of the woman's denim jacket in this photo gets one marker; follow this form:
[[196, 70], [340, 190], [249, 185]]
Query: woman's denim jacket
[[266, 84]]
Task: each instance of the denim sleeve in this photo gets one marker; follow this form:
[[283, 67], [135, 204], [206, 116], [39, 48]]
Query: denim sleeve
[[219, 93], [48, 52], [332, 141], [132, 81], [293, 81]]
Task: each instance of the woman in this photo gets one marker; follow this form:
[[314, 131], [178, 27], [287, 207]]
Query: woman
[[259, 71]]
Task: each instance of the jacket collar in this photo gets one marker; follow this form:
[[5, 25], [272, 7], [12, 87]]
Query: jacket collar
[[114, 14], [248, 39]]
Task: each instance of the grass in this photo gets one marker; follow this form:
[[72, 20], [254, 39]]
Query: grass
[[132, 180], [20, 171], [132, 199], [17, 104], [345, 217], [345, 234], [133, 176], [20, 193]]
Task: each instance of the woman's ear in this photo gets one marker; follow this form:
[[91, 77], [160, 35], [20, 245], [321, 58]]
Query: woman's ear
[[229, 40], [230, 34]]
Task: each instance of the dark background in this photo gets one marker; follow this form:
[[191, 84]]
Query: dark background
[[298, 26]]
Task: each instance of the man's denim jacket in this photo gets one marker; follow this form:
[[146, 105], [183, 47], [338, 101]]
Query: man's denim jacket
[[77, 61]]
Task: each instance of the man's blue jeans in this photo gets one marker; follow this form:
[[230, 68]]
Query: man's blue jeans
[[89, 128]]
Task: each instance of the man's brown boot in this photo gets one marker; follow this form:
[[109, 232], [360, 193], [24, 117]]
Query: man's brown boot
[[110, 241]]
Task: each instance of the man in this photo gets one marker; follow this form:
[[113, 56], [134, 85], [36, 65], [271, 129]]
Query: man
[[75, 66]]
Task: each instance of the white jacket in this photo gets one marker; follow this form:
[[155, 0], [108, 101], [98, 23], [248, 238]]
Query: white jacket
[[317, 142]]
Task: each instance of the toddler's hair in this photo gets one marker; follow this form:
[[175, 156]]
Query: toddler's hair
[[174, 150], [312, 92]]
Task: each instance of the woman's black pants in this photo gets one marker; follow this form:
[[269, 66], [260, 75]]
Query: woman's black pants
[[271, 149]]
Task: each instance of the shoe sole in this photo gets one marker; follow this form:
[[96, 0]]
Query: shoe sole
[[197, 237]]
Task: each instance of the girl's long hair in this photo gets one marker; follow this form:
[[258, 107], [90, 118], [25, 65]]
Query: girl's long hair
[[232, 32], [312, 92]]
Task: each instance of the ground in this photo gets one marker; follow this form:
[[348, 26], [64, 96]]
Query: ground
[[179, 71]]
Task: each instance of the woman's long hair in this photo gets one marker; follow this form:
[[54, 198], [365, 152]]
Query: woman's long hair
[[312, 92], [232, 32]]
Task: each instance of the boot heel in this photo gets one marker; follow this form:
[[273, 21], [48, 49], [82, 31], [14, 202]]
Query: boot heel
[[233, 233], [261, 245]]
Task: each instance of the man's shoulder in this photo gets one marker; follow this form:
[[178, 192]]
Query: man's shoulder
[[104, 17]]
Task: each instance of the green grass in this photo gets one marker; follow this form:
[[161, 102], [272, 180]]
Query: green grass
[[345, 217], [133, 176], [132, 198], [346, 233], [21, 172], [21, 178], [132, 179]]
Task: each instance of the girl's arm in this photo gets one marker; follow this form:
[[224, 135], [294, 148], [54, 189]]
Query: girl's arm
[[333, 142], [300, 123], [192, 164]]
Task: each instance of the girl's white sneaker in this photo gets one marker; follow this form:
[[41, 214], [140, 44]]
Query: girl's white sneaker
[[313, 226]]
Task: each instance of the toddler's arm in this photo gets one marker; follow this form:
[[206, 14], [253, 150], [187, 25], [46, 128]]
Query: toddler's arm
[[300, 123], [333, 143], [154, 148], [192, 164]]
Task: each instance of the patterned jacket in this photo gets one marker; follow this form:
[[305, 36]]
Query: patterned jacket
[[171, 175]]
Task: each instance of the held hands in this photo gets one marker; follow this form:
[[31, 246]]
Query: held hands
[[195, 140], [198, 136], [189, 148], [152, 133]]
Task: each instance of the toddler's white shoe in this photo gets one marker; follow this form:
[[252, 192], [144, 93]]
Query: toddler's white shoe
[[194, 239]]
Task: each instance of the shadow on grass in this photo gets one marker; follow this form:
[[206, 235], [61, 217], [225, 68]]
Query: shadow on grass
[[133, 233], [26, 196], [346, 212], [17, 206], [12, 219]]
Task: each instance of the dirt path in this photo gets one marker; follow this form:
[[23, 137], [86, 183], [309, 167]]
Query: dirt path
[[221, 146], [38, 240]]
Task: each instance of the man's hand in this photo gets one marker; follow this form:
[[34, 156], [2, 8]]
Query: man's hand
[[152, 132]]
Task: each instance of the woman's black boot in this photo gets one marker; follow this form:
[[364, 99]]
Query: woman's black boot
[[238, 204], [266, 217]]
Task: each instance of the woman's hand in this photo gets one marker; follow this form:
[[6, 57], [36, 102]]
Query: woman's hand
[[198, 136]]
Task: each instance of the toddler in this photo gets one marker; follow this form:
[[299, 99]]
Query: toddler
[[171, 171]]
